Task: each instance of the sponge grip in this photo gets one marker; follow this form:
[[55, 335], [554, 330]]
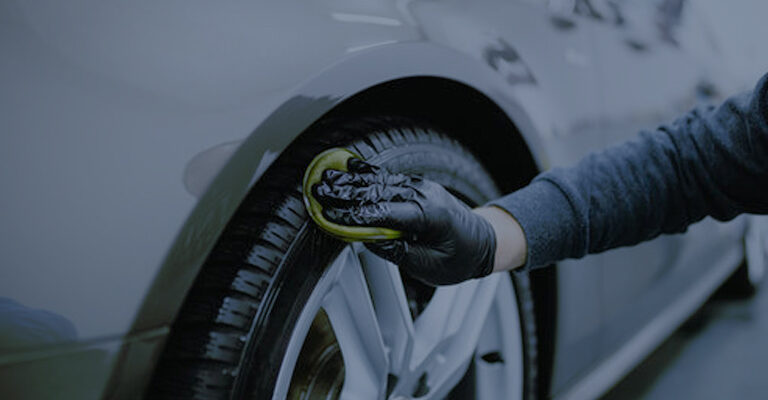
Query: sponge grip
[[337, 159]]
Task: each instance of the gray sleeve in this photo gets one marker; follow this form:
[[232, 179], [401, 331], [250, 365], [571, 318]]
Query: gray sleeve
[[712, 161]]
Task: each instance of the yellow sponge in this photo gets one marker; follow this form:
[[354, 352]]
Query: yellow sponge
[[337, 159]]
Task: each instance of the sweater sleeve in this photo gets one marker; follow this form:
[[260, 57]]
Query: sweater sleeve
[[712, 161]]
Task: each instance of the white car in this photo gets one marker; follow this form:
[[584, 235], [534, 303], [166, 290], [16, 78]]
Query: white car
[[154, 242]]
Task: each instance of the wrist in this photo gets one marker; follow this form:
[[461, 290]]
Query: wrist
[[511, 246]]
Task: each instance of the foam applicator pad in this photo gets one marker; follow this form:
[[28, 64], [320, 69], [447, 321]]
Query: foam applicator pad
[[337, 159]]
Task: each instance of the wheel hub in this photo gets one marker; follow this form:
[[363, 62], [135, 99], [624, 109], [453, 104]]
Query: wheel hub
[[321, 375]]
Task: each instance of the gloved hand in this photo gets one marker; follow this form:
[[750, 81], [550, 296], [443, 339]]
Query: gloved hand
[[443, 241]]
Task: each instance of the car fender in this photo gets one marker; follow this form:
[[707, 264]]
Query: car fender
[[135, 132], [130, 150], [247, 161]]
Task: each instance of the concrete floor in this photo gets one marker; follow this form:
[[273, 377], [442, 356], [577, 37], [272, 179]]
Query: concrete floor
[[720, 353]]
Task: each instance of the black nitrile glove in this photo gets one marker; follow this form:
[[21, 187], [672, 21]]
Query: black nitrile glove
[[443, 241]]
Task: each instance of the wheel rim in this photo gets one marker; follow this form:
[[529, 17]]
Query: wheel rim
[[356, 338]]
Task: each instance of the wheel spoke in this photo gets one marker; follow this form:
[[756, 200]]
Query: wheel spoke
[[448, 330], [501, 378], [368, 310], [350, 310], [391, 306]]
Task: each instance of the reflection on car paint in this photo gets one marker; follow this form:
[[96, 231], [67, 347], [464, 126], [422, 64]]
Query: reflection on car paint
[[502, 53], [561, 23], [204, 166], [22, 327], [636, 45]]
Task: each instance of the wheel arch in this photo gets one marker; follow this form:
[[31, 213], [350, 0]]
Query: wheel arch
[[445, 96], [433, 83], [464, 112]]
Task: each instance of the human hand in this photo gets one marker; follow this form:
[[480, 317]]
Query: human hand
[[444, 242]]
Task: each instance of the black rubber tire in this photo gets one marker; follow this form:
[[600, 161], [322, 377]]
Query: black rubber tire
[[231, 333]]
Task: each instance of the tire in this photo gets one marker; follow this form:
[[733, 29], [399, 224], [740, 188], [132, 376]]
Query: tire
[[241, 318], [747, 278]]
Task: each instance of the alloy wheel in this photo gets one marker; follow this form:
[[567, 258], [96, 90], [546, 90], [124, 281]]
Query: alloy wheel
[[357, 339]]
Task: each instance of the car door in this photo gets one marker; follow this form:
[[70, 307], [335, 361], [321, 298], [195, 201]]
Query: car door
[[648, 77]]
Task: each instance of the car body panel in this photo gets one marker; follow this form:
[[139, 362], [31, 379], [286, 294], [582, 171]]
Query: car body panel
[[594, 382], [644, 48], [113, 130], [638, 282], [89, 370]]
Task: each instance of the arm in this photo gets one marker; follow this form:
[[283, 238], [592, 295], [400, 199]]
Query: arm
[[709, 162], [511, 246]]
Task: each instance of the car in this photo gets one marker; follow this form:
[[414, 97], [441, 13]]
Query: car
[[155, 243]]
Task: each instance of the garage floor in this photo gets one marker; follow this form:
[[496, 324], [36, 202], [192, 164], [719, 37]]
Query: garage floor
[[721, 353]]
